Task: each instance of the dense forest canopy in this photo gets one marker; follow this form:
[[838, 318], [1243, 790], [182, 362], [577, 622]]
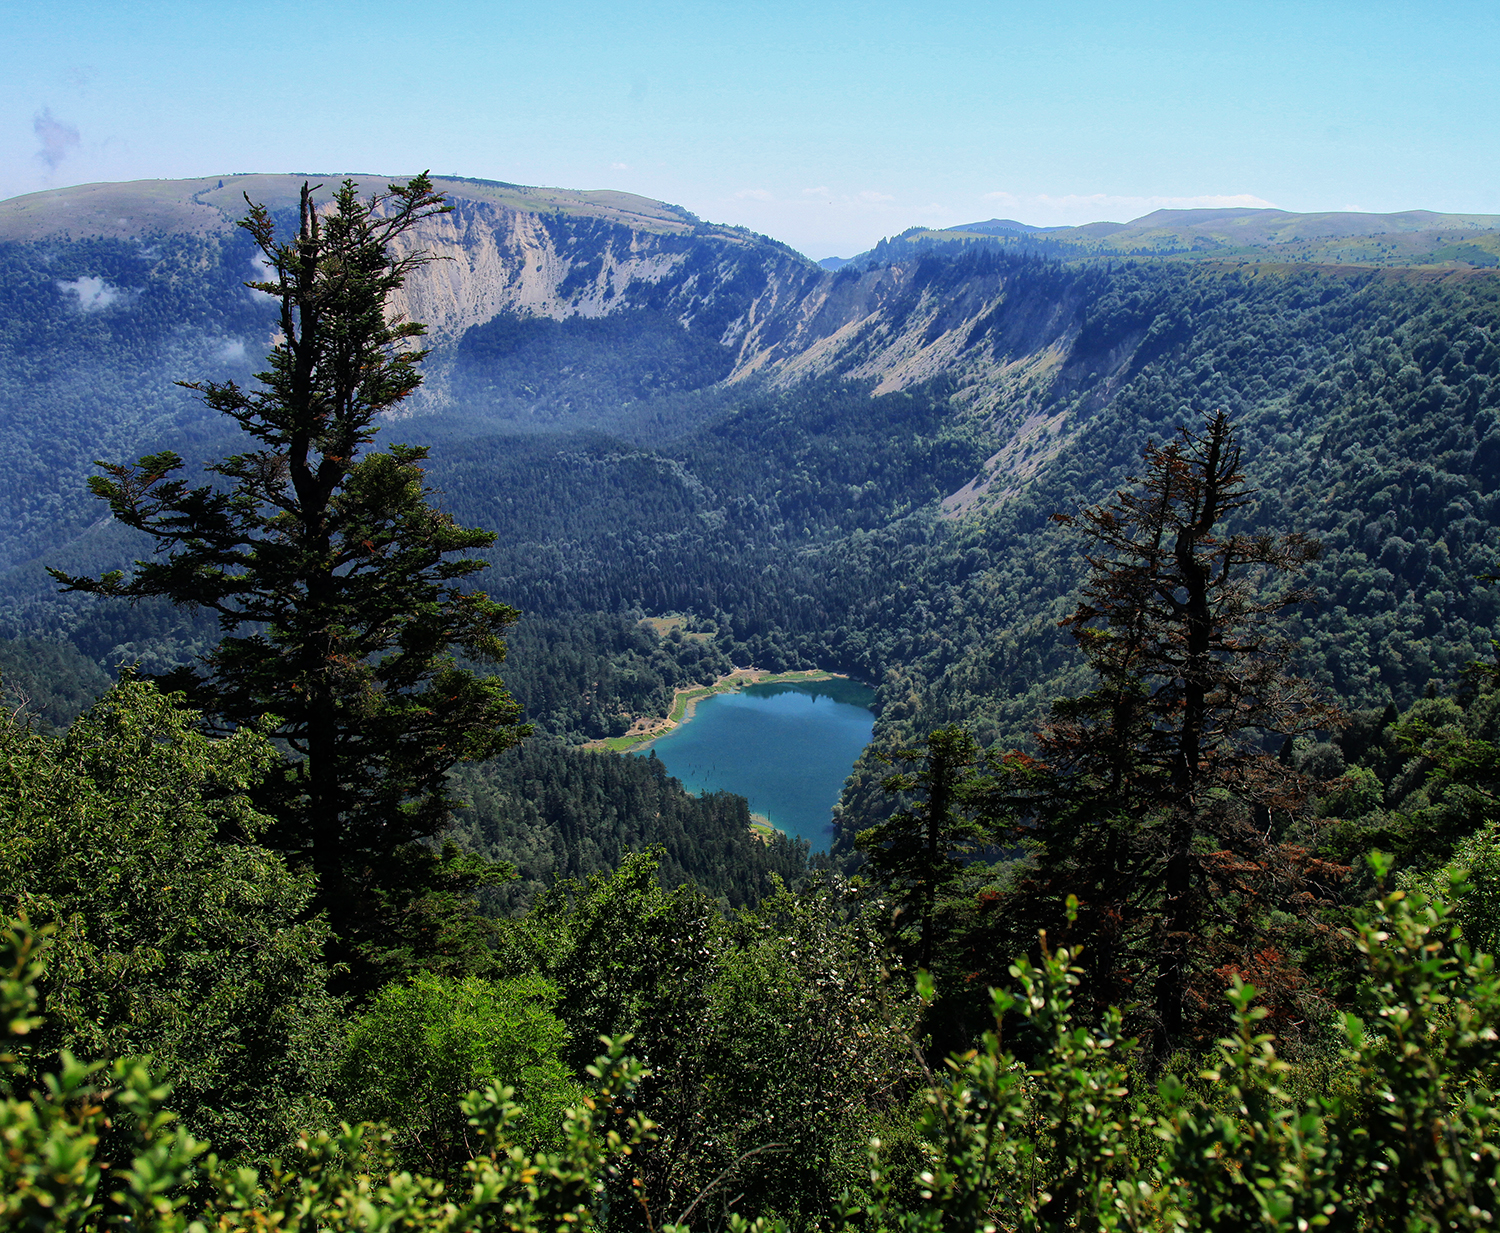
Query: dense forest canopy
[[858, 472], [804, 522]]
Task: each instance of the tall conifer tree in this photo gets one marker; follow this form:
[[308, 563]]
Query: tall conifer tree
[[1156, 802], [334, 578], [919, 853]]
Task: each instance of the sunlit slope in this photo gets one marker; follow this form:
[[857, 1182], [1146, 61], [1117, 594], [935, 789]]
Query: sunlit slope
[[1411, 237], [213, 203]]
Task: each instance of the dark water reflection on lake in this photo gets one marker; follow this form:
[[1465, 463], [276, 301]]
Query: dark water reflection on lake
[[787, 748]]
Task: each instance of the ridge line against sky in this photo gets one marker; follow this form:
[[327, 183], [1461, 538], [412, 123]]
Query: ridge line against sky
[[827, 125]]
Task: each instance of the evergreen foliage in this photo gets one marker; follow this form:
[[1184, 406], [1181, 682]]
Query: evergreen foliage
[[178, 934], [581, 368], [1360, 400], [51, 683], [558, 814], [920, 854], [801, 524], [92, 334], [585, 675], [1157, 805], [330, 571]]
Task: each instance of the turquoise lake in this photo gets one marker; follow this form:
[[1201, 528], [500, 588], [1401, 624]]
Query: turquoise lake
[[786, 748]]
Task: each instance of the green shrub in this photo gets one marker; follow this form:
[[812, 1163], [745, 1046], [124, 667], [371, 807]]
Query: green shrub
[[56, 1174], [1411, 1143], [178, 934], [1476, 909], [426, 1043]]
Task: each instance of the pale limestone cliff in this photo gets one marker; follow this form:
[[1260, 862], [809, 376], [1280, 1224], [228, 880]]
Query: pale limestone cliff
[[1002, 340]]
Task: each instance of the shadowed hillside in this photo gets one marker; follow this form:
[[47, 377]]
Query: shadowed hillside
[[851, 470]]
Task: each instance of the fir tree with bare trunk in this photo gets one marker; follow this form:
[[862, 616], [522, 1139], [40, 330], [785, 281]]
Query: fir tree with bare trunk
[[336, 581], [1155, 800]]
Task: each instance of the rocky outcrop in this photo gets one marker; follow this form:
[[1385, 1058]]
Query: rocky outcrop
[[1002, 330]]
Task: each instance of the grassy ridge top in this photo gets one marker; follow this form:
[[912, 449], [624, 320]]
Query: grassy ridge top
[[1408, 238], [213, 203]]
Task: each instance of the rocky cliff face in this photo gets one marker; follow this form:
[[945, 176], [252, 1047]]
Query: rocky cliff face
[[1002, 332], [524, 290], [494, 259], [783, 317]]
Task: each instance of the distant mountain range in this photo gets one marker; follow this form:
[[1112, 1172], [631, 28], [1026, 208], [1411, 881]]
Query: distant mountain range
[[210, 205], [853, 468], [559, 310], [1413, 237]]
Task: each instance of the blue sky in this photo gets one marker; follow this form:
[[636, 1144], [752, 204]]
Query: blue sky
[[824, 124]]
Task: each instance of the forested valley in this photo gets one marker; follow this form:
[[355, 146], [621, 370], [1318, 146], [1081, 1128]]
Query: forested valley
[[1164, 896]]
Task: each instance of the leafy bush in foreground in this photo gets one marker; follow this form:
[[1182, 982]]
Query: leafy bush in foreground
[[1063, 1143], [1059, 1143], [178, 933], [425, 1042], [54, 1175]]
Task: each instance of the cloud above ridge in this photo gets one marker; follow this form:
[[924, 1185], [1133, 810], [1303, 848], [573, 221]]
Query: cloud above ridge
[[58, 140]]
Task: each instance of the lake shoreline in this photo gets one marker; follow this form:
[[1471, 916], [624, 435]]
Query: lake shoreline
[[764, 829], [648, 730]]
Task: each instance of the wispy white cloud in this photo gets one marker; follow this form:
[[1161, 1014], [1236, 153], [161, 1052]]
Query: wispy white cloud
[[94, 294], [821, 191], [754, 194], [58, 139], [619, 166], [264, 272]]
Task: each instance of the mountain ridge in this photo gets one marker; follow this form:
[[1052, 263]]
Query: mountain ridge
[[533, 285], [1339, 237], [96, 209]]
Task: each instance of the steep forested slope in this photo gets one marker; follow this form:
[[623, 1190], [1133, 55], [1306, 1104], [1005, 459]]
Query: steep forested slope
[[92, 334], [853, 470], [1369, 411]]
